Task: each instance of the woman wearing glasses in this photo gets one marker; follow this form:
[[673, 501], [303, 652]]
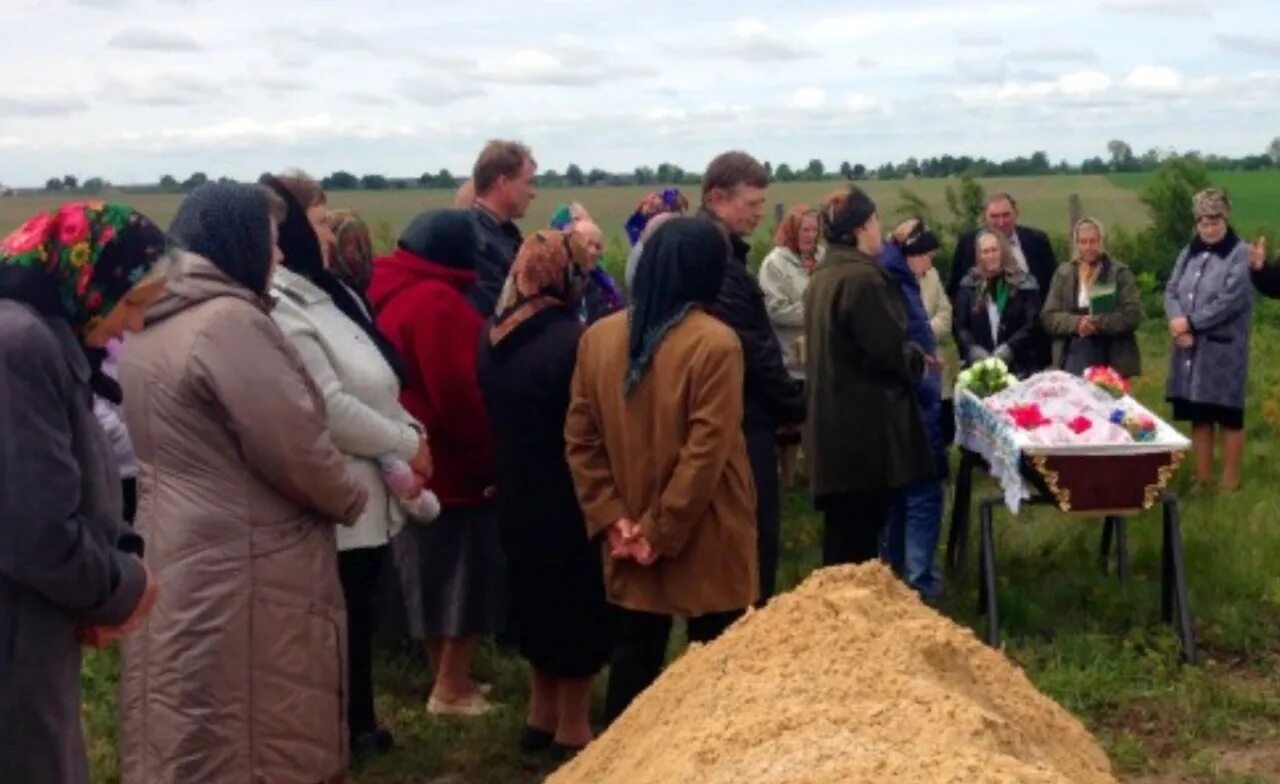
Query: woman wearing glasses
[[1209, 304]]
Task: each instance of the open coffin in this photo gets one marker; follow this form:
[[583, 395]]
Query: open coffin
[[1073, 441]]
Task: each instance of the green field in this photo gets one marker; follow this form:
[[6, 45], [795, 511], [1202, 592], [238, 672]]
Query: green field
[[1255, 197], [1043, 201]]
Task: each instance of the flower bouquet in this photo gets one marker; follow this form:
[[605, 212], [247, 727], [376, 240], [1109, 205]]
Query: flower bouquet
[[986, 378], [1108, 380], [1139, 425]]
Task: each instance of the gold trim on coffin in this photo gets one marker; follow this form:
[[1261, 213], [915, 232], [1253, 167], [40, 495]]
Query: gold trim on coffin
[[1150, 493]]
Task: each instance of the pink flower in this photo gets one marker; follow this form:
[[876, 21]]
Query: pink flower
[[73, 225], [83, 280], [107, 234], [29, 237]]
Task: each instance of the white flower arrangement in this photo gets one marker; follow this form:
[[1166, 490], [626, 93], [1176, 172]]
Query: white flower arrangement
[[986, 377]]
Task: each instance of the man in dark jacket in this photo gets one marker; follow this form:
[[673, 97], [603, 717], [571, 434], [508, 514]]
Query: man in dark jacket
[[1030, 246], [503, 185], [733, 196], [1266, 277]]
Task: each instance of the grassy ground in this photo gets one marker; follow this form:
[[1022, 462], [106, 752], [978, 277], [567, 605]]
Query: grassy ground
[[1043, 201], [1095, 646], [1254, 196]]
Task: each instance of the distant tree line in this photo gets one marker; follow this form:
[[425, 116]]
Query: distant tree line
[[1120, 158]]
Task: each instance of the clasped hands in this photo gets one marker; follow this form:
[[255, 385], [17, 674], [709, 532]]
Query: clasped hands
[[1180, 329], [626, 541], [101, 636]]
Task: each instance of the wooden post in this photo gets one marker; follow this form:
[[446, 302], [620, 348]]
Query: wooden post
[[779, 212], [1075, 211]]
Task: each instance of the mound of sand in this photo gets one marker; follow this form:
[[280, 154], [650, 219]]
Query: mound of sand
[[848, 679]]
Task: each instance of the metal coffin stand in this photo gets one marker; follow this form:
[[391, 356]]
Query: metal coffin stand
[[1175, 605]]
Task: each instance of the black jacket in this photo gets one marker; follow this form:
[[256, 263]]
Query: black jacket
[[1041, 262], [1019, 326], [1267, 279], [496, 245], [772, 398]]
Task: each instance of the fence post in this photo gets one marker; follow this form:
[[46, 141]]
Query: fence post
[[1075, 211], [779, 212]]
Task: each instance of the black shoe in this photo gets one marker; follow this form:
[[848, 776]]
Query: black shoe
[[561, 753], [373, 743], [533, 740]]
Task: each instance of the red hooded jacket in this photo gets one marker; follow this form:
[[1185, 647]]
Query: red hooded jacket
[[422, 308]]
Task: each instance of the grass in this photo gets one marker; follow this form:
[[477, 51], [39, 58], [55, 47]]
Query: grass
[[1254, 196], [1095, 646]]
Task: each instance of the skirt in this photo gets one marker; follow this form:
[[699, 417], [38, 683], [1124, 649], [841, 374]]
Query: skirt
[[1207, 414], [453, 575], [560, 622]]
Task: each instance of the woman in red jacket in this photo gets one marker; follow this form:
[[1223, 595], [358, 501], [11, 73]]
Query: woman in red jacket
[[451, 570]]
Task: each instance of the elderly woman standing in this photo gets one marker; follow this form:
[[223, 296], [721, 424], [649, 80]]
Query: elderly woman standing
[[1093, 309], [784, 274], [1209, 303], [70, 571], [997, 308], [239, 673], [359, 375], [559, 619]]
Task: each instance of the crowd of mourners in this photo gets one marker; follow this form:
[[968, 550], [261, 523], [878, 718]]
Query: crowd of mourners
[[239, 445]]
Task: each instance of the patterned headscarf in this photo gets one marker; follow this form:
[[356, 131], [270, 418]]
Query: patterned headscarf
[[1211, 202], [79, 261], [669, 200], [352, 258], [550, 271]]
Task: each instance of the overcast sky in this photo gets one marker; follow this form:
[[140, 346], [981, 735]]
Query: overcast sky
[[132, 89]]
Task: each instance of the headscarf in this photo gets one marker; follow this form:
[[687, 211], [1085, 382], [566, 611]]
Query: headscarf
[[303, 255], [444, 237], [669, 200], [682, 268], [548, 272], [567, 218], [1005, 284], [77, 262], [1088, 273], [352, 259], [229, 225], [1209, 202], [637, 250]]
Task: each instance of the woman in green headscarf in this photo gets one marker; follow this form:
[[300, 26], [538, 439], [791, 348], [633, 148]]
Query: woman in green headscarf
[[997, 307], [70, 572]]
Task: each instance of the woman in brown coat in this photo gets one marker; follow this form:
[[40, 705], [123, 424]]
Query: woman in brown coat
[[659, 461], [238, 674]]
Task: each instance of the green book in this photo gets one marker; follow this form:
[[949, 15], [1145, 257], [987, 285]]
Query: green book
[[1102, 299]]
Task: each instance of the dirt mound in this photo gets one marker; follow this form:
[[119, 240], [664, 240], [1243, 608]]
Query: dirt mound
[[847, 679]]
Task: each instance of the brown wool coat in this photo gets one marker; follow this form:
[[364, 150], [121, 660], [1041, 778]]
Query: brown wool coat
[[1061, 322], [238, 675], [672, 457]]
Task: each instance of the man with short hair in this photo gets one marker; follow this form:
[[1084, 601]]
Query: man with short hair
[[733, 197], [504, 188], [1030, 246]]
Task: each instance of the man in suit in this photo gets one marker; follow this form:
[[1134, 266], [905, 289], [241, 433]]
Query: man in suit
[[1030, 246]]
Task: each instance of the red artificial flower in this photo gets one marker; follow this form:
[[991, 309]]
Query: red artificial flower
[[73, 225], [1080, 424], [83, 279], [1028, 416], [107, 234]]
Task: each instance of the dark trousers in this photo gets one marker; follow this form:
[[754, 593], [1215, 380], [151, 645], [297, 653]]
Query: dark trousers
[[852, 526], [360, 571], [640, 650], [762, 451]]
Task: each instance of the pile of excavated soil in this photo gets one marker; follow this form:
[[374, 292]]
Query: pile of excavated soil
[[848, 679]]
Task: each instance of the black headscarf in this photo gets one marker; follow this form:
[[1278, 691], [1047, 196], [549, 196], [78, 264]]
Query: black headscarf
[[230, 225], [841, 220], [682, 267], [445, 237], [302, 255]]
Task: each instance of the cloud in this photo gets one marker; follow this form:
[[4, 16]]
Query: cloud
[[808, 98], [434, 91], [101, 3], [567, 62], [752, 40], [145, 40], [332, 39], [1155, 78], [1053, 54], [1180, 8], [369, 99], [1253, 44], [283, 84], [979, 39], [40, 106], [167, 90]]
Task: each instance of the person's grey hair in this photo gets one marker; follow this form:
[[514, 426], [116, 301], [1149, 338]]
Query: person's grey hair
[[1093, 223], [1008, 261]]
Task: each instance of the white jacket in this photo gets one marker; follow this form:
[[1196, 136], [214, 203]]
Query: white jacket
[[361, 395], [783, 280]]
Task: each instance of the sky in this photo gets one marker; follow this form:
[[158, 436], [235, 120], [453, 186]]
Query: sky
[[130, 90]]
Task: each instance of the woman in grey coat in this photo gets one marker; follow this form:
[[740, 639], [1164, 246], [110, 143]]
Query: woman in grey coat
[[70, 570], [1209, 304]]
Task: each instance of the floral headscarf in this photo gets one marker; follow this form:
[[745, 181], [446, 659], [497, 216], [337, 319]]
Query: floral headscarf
[[669, 200], [352, 258], [79, 261], [549, 271]]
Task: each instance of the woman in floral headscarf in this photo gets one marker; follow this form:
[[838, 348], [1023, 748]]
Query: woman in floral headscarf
[[602, 296], [653, 210], [70, 572], [558, 612]]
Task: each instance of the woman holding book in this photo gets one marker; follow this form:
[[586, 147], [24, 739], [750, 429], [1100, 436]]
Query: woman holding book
[[1093, 309]]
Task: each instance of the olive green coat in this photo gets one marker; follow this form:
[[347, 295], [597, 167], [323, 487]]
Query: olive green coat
[[864, 433], [1061, 314]]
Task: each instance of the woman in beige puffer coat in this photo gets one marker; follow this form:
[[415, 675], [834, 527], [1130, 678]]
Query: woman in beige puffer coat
[[238, 675]]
